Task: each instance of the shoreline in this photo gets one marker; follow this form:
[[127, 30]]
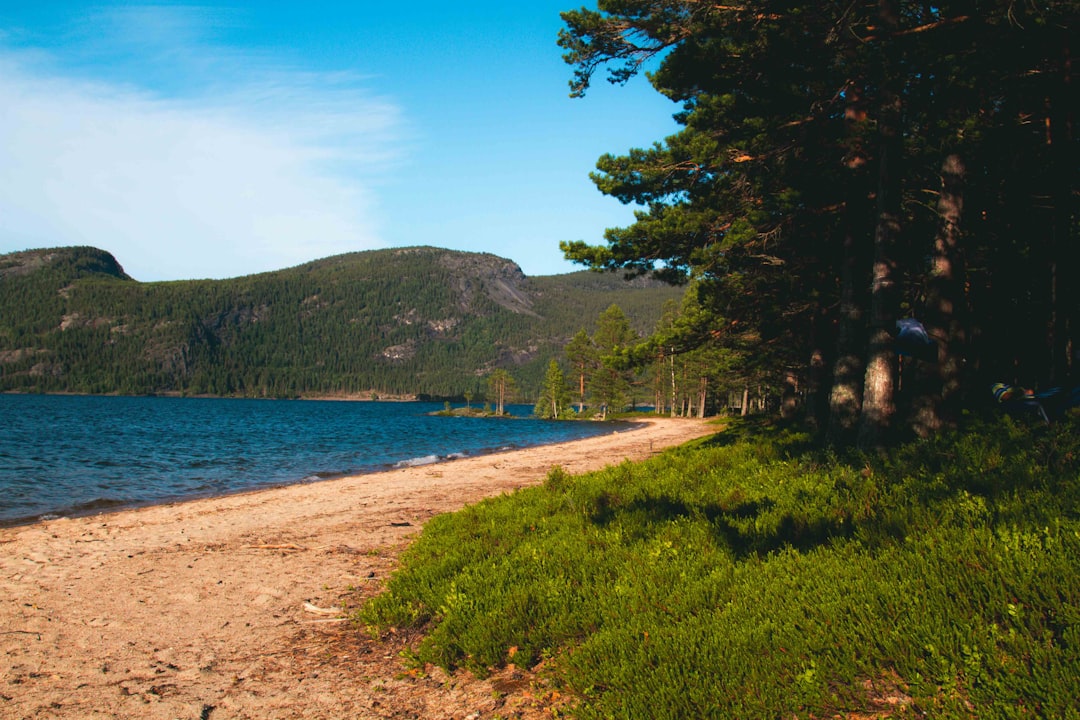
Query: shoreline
[[133, 452], [234, 606], [372, 396], [117, 506]]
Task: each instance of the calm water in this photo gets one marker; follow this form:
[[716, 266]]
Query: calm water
[[64, 455]]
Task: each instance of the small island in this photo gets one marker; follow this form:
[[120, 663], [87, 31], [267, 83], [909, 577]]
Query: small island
[[469, 411]]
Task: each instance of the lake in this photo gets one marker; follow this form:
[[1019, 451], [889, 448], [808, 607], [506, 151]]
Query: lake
[[64, 455]]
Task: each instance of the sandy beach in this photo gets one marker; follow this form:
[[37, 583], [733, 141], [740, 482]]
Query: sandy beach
[[233, 607]]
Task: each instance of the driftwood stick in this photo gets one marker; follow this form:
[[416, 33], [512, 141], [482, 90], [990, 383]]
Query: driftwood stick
[[21, 632], [321, 611]]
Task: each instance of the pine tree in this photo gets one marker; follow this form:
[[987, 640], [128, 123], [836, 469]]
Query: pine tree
[[501, 385], [613, 340], [553, 395], [584, 359]]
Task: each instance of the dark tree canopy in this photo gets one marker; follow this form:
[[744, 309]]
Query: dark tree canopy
[[842, 165]]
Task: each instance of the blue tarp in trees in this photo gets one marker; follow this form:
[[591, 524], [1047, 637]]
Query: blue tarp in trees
[[913, 340]]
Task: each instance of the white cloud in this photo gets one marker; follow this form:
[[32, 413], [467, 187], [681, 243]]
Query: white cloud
[[274, 169]]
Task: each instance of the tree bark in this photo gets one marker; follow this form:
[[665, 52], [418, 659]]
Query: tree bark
[[1064, 254], [879, 386], [789, 401], [937, 408], [845, 397], [674, 393], [845, 394]]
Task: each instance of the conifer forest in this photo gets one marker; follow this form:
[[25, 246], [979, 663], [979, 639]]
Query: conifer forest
[[841, 167]]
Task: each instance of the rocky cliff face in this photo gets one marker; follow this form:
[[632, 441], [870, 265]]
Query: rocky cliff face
[[501, 280]]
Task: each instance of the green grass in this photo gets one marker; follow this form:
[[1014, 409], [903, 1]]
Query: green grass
[[752, 576]]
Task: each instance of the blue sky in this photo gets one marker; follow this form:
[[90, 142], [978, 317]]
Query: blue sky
[[224, 139]]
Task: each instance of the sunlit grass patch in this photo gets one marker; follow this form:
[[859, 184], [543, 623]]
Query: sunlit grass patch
[[757, 577]]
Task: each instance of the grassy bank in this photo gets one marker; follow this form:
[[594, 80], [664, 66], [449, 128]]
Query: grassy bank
[[752, 576]]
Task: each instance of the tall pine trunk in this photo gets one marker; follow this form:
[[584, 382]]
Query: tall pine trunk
[[674, 388], [1064, 251], [845, 394], [789, 398], [937, 407], [879, 386], [813, 410]]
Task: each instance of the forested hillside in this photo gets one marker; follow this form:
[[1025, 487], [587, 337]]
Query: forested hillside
[[413, 321]]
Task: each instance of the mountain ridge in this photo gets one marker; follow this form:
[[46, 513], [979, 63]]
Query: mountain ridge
[[401, 321]]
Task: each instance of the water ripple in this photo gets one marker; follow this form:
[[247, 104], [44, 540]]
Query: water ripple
[[71, 455]]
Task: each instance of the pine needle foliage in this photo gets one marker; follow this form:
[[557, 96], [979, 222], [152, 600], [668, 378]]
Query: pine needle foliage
[[751, 576]]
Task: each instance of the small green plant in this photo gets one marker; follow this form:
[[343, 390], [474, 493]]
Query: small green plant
[[557, 479]]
